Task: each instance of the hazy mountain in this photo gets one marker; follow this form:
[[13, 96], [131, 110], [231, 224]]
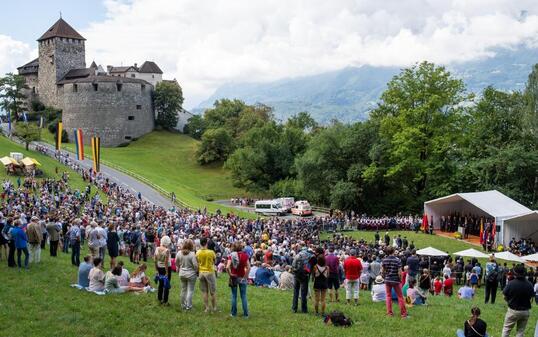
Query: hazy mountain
[[348, 94]]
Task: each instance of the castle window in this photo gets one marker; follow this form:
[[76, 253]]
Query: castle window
[[131, 118], [75, 88], [128, 137], [95, 86], [152, 76], [138, 107], [143, 87], [118, 86], [133, 75], [33, 90]]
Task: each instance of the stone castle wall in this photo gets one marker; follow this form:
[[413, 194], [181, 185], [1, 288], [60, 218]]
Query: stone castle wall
[[30, 93], [100, 109], [56, 57]]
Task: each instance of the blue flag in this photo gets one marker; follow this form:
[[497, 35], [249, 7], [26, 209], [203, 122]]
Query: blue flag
[[24, 117], [9, 121]]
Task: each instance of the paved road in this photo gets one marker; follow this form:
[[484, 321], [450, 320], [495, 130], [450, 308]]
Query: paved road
[[121, 178], [126, 180]]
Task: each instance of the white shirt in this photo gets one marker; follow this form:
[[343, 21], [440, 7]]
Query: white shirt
[[379, 293]]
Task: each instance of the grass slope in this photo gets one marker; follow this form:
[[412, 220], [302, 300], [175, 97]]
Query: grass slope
[[169, 160], [41, 303], [48, 165]]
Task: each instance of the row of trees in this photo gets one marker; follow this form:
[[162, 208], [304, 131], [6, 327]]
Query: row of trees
[[428, 137]]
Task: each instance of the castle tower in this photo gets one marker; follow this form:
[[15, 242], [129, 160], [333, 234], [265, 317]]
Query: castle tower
[[61, 49]]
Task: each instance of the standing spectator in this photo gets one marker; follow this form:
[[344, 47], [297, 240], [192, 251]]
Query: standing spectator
[[43, 233], [518, 294], [6, 232], [333, 262], [93, 240], [206, 271], [301, 271], [352, 269], [74, 241], [238, 268], [21, 243], [413, 266], [448, 285], [492, 280], [320, 275], [162, 264], [102, 235], [54, 237], [33, 231], [188, 268], [113, 244], [391, 267]]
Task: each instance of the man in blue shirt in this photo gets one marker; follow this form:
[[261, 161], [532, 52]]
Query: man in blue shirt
[[84, 272], [21, 243], [466, 292]]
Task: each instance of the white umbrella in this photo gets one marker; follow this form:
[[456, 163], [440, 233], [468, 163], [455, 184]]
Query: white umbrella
[[509, 257], [430, 251], [532, 257], [471, 252]]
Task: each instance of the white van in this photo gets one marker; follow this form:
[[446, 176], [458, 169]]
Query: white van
[[269, 207], [301, 208], [287, 203]]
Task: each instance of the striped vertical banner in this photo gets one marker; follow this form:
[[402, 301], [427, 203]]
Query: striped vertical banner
[[79, 144], [59, 129], [9, 121], [41, 122], [96, 153]]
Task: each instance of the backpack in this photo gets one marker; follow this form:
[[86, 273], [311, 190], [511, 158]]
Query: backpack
[[337, 318], [493, 276], [301, 265]]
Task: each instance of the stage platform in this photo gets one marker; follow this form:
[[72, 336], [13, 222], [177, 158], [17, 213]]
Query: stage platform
[[472, 239]]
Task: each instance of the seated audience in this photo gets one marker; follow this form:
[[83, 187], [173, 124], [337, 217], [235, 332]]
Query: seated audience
[[97, 276], [466, 292], [474, 326], [379, 292], [84, 272]]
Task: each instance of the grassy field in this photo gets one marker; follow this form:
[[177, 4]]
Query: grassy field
[[48, 165], [41, 303], [168, 159]]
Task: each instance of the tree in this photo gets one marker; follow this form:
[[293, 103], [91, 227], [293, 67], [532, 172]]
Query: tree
[[344, 196], [302, 121], [12, 98], [168, 99], [28, 132], [420, 118], [216, 145], [195, 127]]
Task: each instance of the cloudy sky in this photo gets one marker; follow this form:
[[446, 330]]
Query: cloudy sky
[[204, 44]]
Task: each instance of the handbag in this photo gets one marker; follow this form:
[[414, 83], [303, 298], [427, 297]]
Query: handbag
[[233, 281]]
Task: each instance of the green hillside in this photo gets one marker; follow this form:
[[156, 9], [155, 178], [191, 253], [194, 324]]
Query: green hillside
[[168, 160]]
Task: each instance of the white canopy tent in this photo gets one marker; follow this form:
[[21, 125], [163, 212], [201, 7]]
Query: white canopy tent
[[522, 226], [430, 251], [472, 253], [531, 258], [492, 204], [509, 257]]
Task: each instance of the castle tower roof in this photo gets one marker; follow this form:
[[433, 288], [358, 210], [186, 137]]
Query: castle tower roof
[[61, 29]]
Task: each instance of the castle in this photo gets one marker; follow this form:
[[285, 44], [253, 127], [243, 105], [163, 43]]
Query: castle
[[115, 104]]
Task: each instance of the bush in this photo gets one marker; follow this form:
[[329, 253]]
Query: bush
[[457, 235], [124, 144], [36, 105]]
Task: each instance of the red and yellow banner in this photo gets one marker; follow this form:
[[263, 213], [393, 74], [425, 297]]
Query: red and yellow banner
[[96, 153], [79, 144], [59, 129]]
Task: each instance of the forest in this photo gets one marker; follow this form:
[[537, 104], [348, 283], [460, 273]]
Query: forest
[[427, 137]]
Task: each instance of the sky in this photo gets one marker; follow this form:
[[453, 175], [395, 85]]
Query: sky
[[205, 44]]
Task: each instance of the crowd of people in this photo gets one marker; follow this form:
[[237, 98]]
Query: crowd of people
[[270, 252]]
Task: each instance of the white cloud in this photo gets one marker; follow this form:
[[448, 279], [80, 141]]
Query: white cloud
[[206, 43], [13, 54]]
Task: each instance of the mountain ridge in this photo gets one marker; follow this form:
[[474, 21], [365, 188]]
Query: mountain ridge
[[348, 94]]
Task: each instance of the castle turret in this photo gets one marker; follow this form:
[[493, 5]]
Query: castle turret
[[61, 49]]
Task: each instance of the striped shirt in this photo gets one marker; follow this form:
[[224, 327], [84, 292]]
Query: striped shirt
[[391, 266]]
